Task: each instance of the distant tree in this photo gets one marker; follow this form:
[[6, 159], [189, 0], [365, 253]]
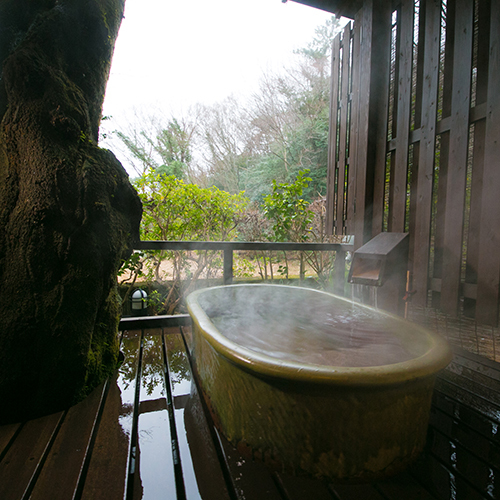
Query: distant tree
[[289, 119], [223, 143], [163, 145], [234, 145]]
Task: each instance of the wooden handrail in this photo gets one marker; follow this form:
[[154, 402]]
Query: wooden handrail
[[228, 247]]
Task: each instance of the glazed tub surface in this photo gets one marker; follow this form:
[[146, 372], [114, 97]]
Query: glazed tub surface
[[347, 423]]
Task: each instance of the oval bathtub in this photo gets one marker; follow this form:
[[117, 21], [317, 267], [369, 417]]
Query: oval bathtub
[[309, 382]]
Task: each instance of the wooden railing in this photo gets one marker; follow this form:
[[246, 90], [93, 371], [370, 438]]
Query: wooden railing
[[229, 247]]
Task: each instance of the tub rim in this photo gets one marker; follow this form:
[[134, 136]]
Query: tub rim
[[437, 357]]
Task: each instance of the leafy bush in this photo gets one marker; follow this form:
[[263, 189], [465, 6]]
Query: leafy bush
[[175, 210]]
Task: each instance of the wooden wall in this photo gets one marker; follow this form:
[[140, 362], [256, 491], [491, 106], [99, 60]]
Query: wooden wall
[[415, 143]]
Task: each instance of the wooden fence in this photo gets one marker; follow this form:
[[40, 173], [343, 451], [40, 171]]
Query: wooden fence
[[415, 144]]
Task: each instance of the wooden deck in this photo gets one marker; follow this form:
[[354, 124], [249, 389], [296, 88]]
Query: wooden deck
[[145, 434]]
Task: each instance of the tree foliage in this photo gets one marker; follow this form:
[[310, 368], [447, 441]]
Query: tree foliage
[[176, 210], [288, 210], [281, 130], [166, 148]]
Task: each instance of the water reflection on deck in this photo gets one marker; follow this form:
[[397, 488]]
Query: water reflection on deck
[[145, 434]]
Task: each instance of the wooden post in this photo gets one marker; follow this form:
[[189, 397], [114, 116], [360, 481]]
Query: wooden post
[[228, 266], [369, 113], [339, 273]]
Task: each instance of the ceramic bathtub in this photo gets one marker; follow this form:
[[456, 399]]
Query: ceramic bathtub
[[295, 410]]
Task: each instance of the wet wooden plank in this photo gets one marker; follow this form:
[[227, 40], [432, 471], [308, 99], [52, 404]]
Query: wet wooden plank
[[484, 395], [467, 401], [154, 474], [24, 459], [7, 433], [472, 376], [442, 482], [460, 462], [480, 444], [356, 492], [109, 465], [468, 417], [202, 472], [404, 486], [67, 455], [477, 363], [302, 488], [251, 480]]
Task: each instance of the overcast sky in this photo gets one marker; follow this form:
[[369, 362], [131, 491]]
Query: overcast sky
[[171, 54]]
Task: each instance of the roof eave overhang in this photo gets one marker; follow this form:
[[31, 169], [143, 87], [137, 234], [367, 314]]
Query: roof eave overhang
[[345, 8]]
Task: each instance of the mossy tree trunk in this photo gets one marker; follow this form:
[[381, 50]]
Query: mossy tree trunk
[[68, 214]]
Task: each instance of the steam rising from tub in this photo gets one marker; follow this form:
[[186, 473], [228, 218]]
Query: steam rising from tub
[[288, 323]]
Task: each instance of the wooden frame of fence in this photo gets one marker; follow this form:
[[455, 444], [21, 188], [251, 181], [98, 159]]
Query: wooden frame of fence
[[228, 247], [415, 143]]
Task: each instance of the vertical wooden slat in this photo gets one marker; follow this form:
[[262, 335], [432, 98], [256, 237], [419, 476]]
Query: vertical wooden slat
[[344, 125], [449, 51], [457, 166], [354, 140], [440, 213], [445, 110], [483, 38], [420, 62], [399, 181], [489, 262], [430, 16], [379, 118], [416, 123], [484, 8], [332, 138], [412, 207]]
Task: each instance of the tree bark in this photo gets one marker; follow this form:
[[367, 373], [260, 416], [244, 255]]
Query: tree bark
[[68, 213]]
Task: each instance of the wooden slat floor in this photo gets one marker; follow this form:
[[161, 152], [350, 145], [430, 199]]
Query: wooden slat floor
[[145, 434]]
